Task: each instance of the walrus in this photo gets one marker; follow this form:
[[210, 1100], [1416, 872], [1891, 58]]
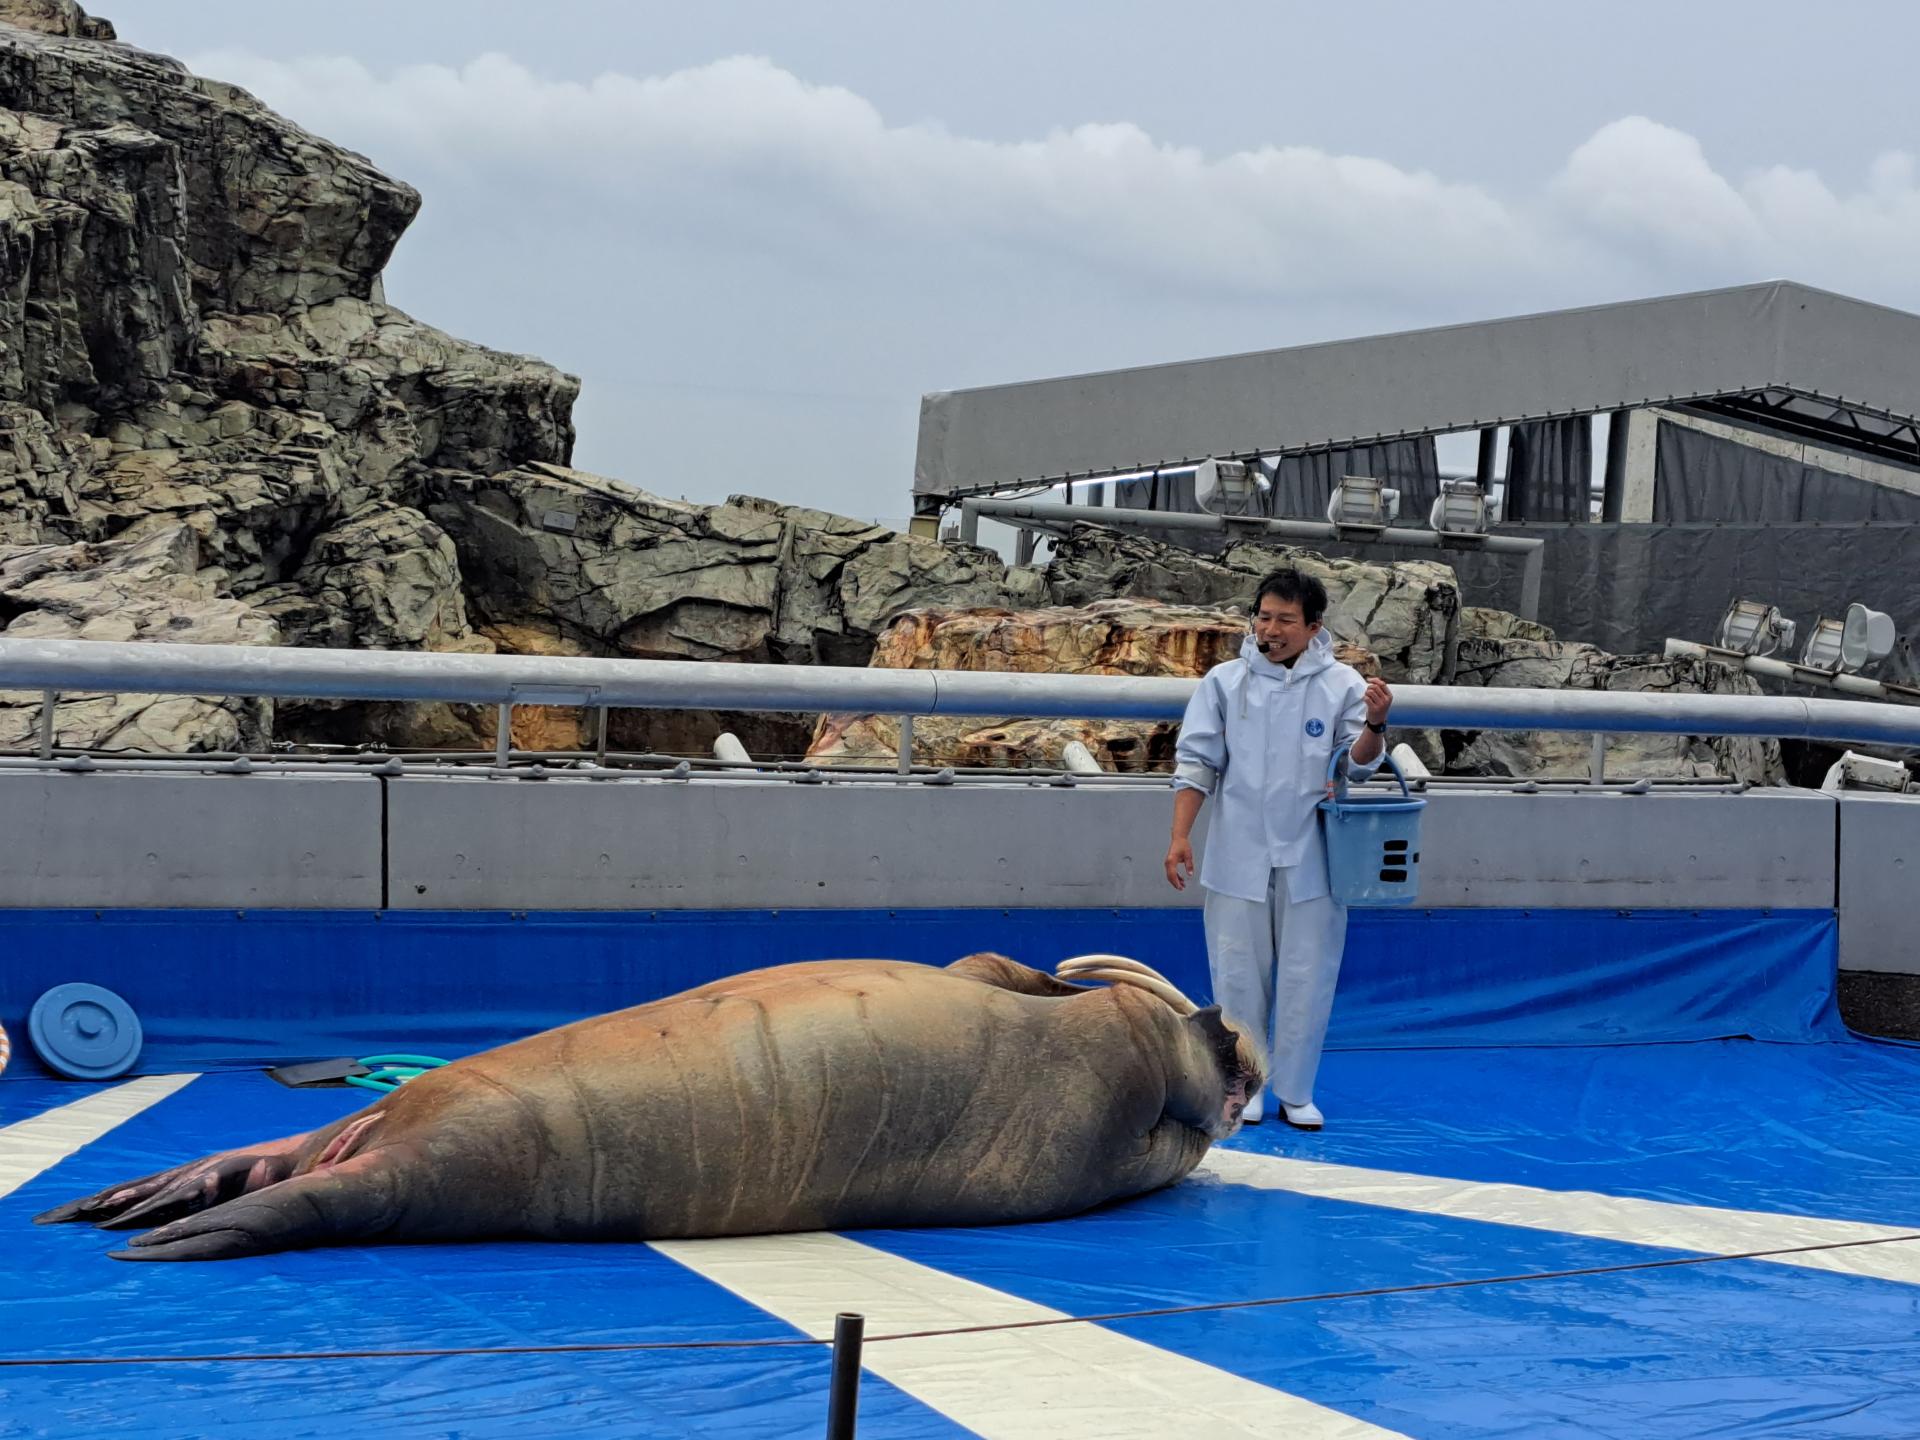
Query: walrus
[[828, 1095]]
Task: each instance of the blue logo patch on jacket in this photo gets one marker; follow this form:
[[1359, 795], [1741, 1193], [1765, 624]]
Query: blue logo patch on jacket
[[1316, 728]]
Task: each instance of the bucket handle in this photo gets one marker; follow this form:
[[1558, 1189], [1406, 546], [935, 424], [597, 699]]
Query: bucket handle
[[1339, 781]]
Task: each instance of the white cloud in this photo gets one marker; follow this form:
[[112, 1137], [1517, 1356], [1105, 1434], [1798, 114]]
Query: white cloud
[[1639, 202]]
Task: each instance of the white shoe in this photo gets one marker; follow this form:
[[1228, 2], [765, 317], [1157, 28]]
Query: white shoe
[[1303, 1117], [1255, 1111]]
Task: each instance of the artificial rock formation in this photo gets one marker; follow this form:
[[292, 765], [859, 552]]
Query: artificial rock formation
[[150, 586], [604, 569], [1549, 664], [1107, 637], [1403, 614], [1402, 621], [199, 359]]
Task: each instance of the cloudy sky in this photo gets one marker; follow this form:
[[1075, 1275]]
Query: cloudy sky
[[759, 231]]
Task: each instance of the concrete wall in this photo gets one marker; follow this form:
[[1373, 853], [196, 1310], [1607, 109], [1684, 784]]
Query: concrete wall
[[143, 840], [589, 845], [359, 842], [1879, 881], [564, 845]]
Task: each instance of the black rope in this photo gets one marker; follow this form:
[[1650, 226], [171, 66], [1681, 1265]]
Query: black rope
[[627, 1346]]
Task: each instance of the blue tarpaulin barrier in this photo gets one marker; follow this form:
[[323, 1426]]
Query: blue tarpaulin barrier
[[220, 989]]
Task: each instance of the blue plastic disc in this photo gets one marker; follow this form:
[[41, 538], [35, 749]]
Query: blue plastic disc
[[85, 1032]]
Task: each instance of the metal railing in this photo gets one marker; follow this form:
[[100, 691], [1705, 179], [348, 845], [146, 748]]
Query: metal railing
[[98, 666]]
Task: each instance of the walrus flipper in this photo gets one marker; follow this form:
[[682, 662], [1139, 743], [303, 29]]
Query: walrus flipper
[[1004, 974], [356, 1199], [198, 1184]]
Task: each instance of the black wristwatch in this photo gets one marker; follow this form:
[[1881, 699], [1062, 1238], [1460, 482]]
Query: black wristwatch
[[1379, 729]]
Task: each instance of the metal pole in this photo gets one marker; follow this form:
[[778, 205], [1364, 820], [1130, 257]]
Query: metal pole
[[1530, 573], [1489, 456], [116, 667], [1597, 759], [843, 1399], [1771, 669], [600, 740], [905, 751], [47, 700], [1613, 495], [503, 735]]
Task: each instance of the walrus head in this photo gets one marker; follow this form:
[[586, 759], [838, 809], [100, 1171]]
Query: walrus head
[[1241, 1072], [1234, 1052]]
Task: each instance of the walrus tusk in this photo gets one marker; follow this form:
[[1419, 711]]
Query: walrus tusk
[[1117, 962], [1173, 999], [1082, 967]]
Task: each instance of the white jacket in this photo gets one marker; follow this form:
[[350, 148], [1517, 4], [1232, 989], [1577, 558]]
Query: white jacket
[[1257, 738]]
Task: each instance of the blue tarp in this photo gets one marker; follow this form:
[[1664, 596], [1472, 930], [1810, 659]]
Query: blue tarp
[[223, 989], [1734, 1349], [1571, 1052]]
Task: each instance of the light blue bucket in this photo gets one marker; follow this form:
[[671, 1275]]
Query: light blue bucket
[[1373, 841]]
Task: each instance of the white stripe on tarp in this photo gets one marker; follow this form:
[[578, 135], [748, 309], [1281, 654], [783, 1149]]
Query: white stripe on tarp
[[1704, 1229], [1066, 1382], [31, 1147]]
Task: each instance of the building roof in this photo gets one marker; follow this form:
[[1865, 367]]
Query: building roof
[[1778, 354]]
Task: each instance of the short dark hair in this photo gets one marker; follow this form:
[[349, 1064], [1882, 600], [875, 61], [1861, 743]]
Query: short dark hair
[[1290, 585]]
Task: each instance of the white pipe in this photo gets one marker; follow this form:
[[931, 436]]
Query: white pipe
[[727, 747], [1409, 762], [1076, 759], [103, 666]]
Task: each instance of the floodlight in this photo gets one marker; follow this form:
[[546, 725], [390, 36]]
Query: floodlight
[[1226, 487], [1862, 638], [1866, 637], [1754, 629], [1360, 502], [1823, 646], [1461, 509]]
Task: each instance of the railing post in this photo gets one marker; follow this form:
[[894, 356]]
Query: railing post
[[843, 1400], [503, 736], [1597, 760], [47, 701], [904, 762]]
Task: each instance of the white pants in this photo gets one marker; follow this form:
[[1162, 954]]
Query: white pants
[[1274, 967]]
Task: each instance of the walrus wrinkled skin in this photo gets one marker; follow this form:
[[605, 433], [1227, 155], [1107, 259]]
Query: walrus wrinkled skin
[[824, 1096]]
